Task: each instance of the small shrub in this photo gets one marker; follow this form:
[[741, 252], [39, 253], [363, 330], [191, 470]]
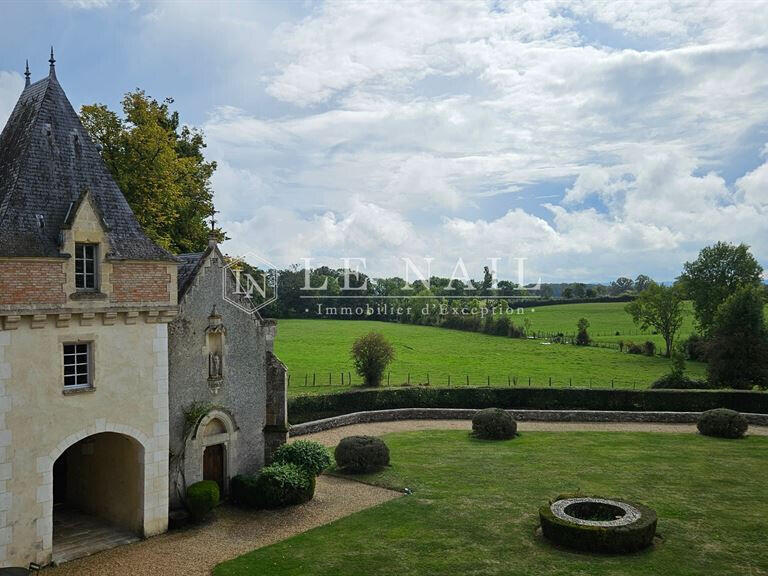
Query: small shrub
[[649, 348], [311, 456], [695, 348], [280, 485], [243, 491], [633, 348], [361, 454], [371, 354], [582, 337], [722, 423], [676, 381], [202, 497], [494, 424]]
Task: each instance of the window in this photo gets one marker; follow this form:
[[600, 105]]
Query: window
[[77, 365], [85, 266]]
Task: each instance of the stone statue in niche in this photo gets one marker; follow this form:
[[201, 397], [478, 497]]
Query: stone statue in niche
[[214, 366]]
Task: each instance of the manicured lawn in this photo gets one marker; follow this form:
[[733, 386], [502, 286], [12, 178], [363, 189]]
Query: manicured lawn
[[319, 349], [474, 508]]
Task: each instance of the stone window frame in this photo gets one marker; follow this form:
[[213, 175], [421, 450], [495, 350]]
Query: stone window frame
[[91, 351], [85, 274]]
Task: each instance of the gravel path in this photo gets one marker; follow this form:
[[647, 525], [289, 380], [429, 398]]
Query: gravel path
[[332, 437], [196, 551]]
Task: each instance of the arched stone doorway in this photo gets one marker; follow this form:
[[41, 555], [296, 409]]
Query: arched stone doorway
[[98, 495], [212, 449]]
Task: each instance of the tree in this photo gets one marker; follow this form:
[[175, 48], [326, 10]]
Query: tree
[[160, 168], [738, 350], [568, 293], [642, 282], [659, 307], [718, 272], [582, 337], [371, 354], [621, 285]]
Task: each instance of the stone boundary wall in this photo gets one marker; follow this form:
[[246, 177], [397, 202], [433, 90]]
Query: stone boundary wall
[[519, 415]]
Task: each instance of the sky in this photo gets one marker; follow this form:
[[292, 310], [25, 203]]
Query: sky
[[593, 139]]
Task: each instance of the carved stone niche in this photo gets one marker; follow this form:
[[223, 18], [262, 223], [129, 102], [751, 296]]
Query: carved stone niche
[[214, 349]]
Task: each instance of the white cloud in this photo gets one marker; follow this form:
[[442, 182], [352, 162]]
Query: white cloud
[[434, 124]]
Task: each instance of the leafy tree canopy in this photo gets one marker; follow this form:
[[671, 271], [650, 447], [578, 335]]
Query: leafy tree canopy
[[659, 307], [160, 168], [719, 271]]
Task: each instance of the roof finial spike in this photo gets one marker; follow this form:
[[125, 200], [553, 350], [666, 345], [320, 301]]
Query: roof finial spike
[[27, 75], [52, 62]]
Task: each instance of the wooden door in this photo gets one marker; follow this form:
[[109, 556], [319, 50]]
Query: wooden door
[[213, 465]]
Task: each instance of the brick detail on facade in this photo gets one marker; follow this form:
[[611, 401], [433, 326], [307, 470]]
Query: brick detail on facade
[[30, 282], [138, 282]]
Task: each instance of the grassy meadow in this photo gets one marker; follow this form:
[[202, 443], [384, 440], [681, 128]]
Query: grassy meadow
[[474, 508], [319, 350]]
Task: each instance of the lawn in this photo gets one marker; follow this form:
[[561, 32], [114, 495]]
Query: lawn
[[319, 350], [474, 508]]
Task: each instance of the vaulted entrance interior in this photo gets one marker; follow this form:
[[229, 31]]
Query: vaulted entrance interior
[[98, 495]]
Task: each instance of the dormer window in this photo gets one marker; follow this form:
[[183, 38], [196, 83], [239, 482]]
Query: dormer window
[[86, 266]]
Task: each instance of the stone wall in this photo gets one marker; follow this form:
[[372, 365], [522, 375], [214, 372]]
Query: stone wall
[[519, 415], [128, 397], [276, 428], [237, 400]]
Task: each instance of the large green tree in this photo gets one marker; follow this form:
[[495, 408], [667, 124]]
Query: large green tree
[[738, 349], [659, 307], [159, 166], [719, 271]]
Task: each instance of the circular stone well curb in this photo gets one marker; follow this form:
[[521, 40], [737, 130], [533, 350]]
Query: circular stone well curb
[[631, 514], [631, 532]]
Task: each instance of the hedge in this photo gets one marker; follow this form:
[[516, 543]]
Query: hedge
[[307, 408]]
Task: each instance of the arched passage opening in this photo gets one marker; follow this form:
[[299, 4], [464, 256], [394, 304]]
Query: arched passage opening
[[98, 495]]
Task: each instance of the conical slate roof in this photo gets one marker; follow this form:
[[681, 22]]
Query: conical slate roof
[[47, 163]]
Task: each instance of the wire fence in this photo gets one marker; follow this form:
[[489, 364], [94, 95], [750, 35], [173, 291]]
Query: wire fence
[[348, 379]]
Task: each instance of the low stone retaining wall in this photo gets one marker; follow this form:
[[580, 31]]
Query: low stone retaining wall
[[519, 415]]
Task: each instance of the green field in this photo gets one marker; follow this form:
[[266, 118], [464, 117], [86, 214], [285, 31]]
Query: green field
[[605, 320], [319, 350], [474, 508]]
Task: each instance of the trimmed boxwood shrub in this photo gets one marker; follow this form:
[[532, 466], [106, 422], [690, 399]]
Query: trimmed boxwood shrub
[[606, 539], [243, 490], [722, 423], [494, 424], [202, 498], [312, 456], [280, 485], [361, 454], [315, 407]]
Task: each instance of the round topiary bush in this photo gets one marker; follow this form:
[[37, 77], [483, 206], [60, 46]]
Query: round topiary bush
[[312, 456], [281, 485], [494, 424], [361, 454], [202, 497], [598, 524], [242, 491], [723, 423]]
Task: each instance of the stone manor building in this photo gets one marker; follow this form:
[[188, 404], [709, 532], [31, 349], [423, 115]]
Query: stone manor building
[[93, 440]]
